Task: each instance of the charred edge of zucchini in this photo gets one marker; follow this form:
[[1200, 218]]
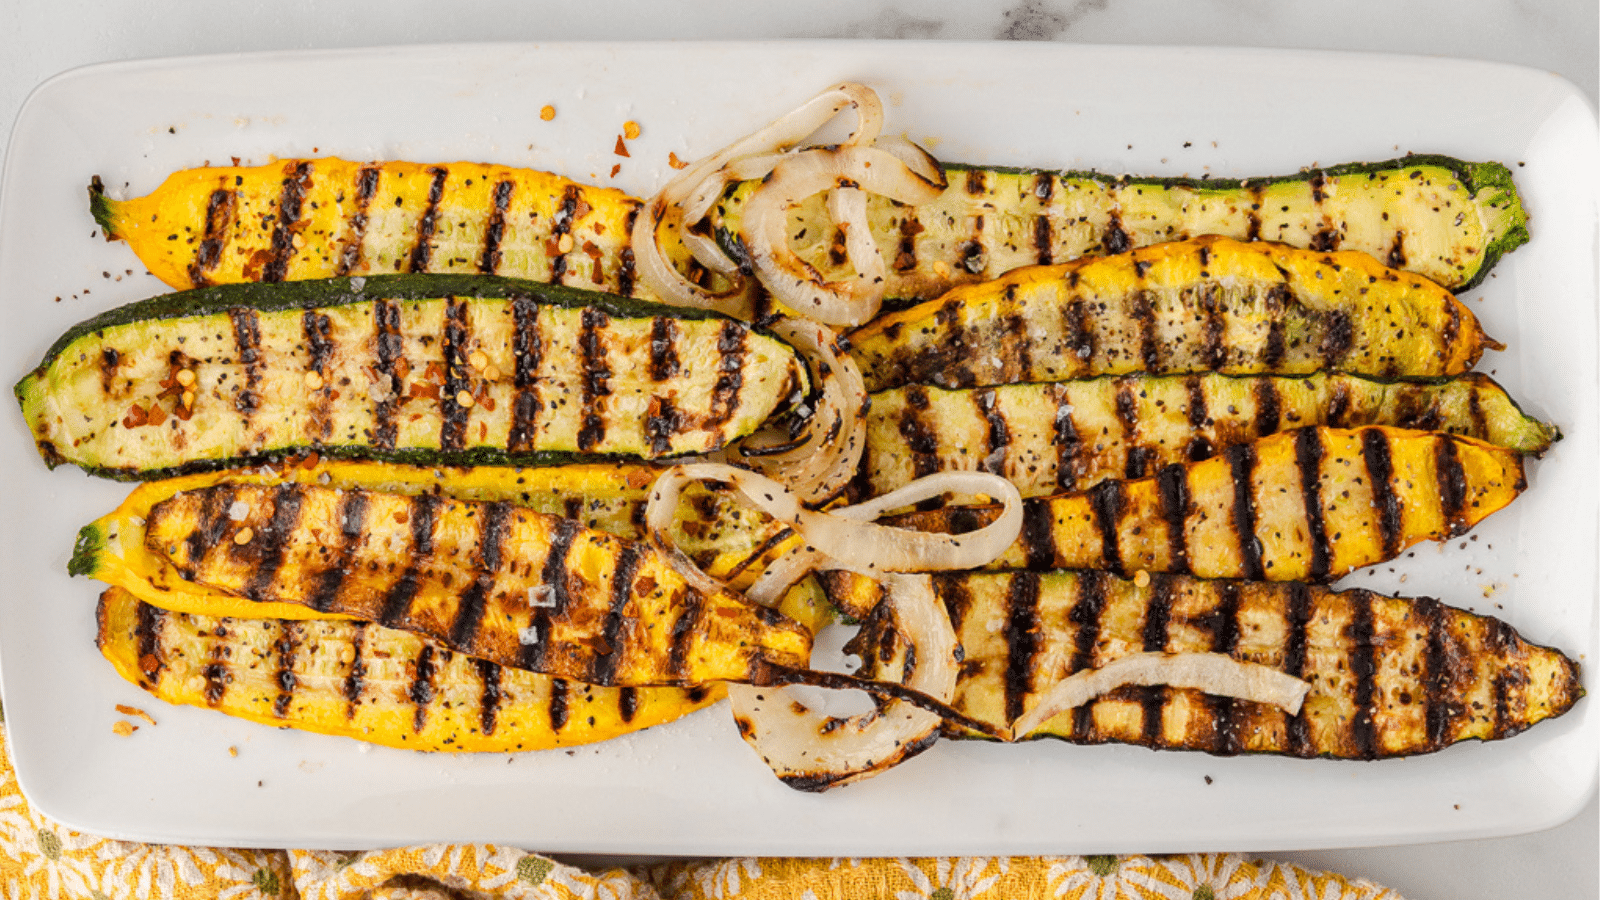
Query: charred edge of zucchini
[[87, 551], [409, 456], [330, 292], [101, 207]]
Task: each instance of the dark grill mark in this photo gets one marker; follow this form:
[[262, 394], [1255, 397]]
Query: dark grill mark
[[603, 670], [1106, 499], [1252, 231], [663, 349], [1044, 240], [147, 637], [1157, 613], [554, 576], [1308, 454], [1397, 251], [1337, 337], [1268, 407], [625, 265], [397, 603], [1064, 433], [1363, 668], [558, 704], [1022, 640], [1436, 680], [730, 374], [219, 216], [627, 703], [1142, 309], [1497, 640], [215, 672], [210, 524], [561, 224], [422, 250], [1224, 638], [527, 348], [270, 541], [951, 590], [1038, 537], [1380, 469], [1127, 408], [596, 372], [1297, 730], [1338, 407], [661, 423], [974, 255], [1172, 483], [352, 521], [1278, 301], [366, 187], [285, 647], [289, 204], [489, 259], [1085, 614], [494, 519], [489, 697], [355, 680], [1016, 345], [1241, 466], [975, 181], [247, 335], [1452, 483], [1080, 333], [420, 692], [998, 436], [683, 630], [905, 258], [318, 329], [452, 414], [391, 348], [1213, 346], [1325, 239], [1116, 240]]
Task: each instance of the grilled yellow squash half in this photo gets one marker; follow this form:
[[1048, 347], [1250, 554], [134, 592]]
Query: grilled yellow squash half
[[365, 681], [1206, 305], [489, 579], [1389, 676], [1070, 435], [1308, 504]]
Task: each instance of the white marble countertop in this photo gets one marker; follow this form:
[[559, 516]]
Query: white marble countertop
[[38, 40]]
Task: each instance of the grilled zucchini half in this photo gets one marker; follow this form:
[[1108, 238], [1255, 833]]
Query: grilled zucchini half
[[1442, 218], [433, 370], [1446, 220], [1307, 504], [1070, 435], [364, 681], [1389, 676], [1208, 304]]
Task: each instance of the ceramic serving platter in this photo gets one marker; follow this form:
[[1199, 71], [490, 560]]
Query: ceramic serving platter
[[693, 787]]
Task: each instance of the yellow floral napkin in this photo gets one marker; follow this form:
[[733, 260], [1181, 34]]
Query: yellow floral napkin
[[40, 859]]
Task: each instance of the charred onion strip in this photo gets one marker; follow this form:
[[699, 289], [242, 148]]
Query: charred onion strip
[[812, 751], [1214, 673], [683, 203]]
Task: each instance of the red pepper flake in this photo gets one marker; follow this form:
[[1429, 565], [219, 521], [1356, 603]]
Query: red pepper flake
[[675, 162], [591, 248], [615, 169], [157, 414], [311, 460], [137, 415], [621, 148], [551, 248]]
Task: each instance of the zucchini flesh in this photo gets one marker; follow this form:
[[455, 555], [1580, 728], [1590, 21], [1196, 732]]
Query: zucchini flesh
[[491, 580], [376, 684], [1310, 504], [299, 219], [729, 542], [1209, 304], [434, 370], [1070, 435], [1389, 676], [1446, 220]]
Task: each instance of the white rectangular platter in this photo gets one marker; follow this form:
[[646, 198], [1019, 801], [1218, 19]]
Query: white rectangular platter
[[693, 787]]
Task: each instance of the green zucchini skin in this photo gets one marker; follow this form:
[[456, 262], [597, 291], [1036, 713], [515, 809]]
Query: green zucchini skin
[[1443, 218], [1071, 435], [414, 369]]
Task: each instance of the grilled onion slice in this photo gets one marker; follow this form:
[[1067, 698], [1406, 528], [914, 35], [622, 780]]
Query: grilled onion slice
[[811, 751], [1214, 673]]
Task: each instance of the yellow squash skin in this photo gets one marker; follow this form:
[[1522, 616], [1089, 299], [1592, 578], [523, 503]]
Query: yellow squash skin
[[732, 544], [1208, 304], [1307, 505], [368, 682], [492, 580], [224, 224]]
